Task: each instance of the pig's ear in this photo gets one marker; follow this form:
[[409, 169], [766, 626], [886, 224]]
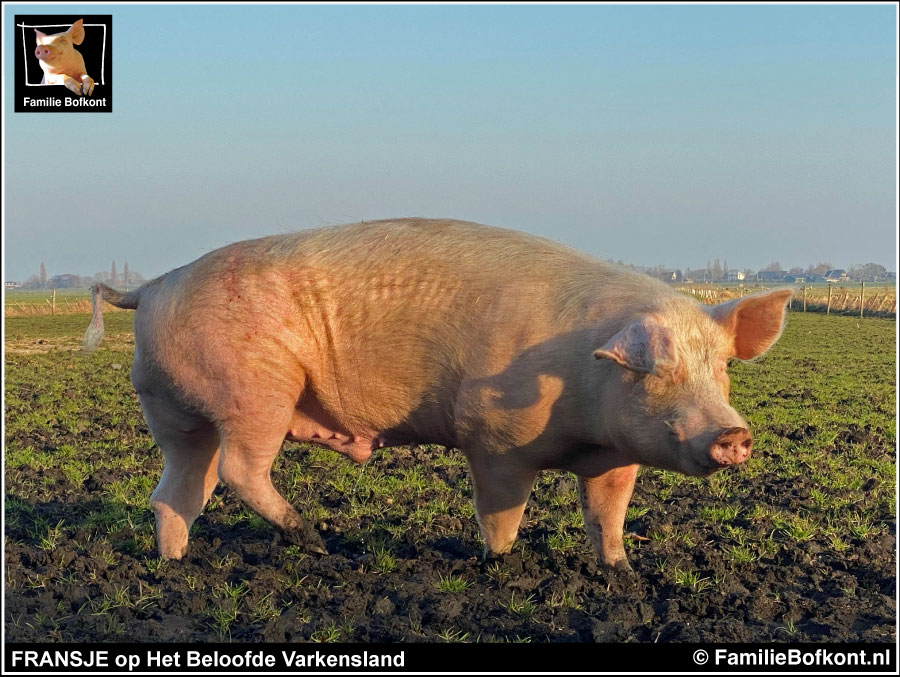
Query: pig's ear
[[754, 322], [76, 32], [40, 36], [644, 346]]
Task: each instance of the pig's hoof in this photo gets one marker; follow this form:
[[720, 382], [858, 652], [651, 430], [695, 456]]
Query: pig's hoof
[[88, 87], [306, 536], [489, 556], [172, 552], [618, 565]]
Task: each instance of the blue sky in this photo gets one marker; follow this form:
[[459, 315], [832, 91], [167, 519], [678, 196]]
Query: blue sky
[[656, 134]]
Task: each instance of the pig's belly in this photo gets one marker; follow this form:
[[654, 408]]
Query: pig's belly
[[312, 424], [356, 447]]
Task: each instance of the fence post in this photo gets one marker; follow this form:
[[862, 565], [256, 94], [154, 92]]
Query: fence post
[[741, 287], [828, 307], [53, 304], [862, 293], [804, 298]]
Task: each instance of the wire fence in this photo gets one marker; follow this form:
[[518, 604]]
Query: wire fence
[[837, 298]]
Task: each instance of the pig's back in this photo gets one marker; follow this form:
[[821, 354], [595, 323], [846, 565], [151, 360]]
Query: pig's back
[[482, 258], [428, 247], [437, 272]]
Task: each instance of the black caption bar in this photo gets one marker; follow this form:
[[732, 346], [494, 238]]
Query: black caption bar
[[380, 658]]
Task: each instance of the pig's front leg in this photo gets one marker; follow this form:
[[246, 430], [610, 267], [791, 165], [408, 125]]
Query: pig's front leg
[[72, 84], [501, 491], [87, 84], [604, 501]]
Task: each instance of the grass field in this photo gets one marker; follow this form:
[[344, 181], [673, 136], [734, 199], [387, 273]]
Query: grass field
[[796, 545], [28, 302]]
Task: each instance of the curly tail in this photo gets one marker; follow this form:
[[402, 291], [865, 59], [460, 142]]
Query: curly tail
[[100, 293]]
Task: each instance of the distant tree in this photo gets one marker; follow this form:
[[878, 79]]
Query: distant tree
[[33, 282], [773, 266], [43, 275], [697, 274], [125, 277], [820, 268], [113, 278], [796, 271], [67, 281], [869, 272]]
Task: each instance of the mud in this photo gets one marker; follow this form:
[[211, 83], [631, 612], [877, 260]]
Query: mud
[[86, 589]]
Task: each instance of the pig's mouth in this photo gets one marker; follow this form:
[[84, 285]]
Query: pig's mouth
[[704, 468], [715, 466]]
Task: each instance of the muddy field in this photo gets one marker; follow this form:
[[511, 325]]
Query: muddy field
[[796, 545]]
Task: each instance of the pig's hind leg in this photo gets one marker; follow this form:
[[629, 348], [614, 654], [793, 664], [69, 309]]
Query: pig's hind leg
[[190, 449], [249, 447]]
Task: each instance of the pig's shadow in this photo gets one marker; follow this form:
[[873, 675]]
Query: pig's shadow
[[518, 385]]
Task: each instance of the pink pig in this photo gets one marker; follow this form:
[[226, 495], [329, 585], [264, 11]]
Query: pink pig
[[61, 62], [524, 354]]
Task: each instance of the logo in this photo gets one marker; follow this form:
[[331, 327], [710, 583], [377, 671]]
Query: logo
[[63, 63]]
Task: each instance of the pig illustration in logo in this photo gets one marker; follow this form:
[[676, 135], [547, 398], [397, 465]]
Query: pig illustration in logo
[[61, 62]]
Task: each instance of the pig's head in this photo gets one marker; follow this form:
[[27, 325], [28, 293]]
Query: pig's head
[[667, 395], [51, 47]]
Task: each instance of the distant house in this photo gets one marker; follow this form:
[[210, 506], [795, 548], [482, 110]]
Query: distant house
[[735, 275], [815, 278], [890, 276], [670, 276], [795, 278], [13, 285], [771, 275], [837, 275]]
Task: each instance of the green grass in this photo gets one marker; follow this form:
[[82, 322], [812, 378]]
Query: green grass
[[452, 635], [39, 297], [70, 326], [691, 579], [521, 605], [452, 583]]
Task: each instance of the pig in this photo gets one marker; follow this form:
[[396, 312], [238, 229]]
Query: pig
[[524, 354], [61, 62]]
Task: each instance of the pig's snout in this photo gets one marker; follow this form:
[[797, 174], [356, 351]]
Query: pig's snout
[[42, 52], [731, 447]]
